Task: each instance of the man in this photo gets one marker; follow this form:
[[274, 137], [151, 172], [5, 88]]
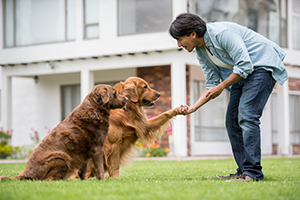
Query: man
[[248, 65]]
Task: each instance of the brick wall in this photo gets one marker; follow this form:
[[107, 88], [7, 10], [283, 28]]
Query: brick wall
[[274, 149], [159, 78], [295, 149], [294, 84]]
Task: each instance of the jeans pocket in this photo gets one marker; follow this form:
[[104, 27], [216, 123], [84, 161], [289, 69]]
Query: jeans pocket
[[272, 83]]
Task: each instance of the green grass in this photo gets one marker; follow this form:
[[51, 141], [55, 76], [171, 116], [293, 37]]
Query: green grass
[[164, 180]]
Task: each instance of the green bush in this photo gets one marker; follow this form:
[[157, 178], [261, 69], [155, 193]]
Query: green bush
[[22, 152], [5, 137], [153, 152], [158, 152], [5, 150]]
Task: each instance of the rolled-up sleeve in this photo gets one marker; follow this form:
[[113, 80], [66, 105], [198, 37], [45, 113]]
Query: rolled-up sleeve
[[234, 45]]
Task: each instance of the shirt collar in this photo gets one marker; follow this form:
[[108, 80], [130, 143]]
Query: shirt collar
[[207, 40]]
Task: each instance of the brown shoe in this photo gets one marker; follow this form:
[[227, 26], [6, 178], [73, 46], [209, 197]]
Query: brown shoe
[[242, 178], [227, 176]]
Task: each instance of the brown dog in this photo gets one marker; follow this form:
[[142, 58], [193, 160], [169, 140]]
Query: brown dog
[[129, 124], [72, 142]]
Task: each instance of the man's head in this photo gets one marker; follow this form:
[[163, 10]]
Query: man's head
[[185, 24], [188, 29]]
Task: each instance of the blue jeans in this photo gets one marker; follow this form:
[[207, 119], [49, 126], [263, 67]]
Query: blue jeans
[[248, 98]]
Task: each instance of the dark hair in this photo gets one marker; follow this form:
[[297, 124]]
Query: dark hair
[[185, 24]]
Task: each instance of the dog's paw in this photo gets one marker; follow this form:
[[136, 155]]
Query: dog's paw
[[182, 110]]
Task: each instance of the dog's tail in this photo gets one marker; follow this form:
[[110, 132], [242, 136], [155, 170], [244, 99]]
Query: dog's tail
[[20, 177]]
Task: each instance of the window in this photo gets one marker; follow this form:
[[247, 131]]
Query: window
[[142, 16], [219, 10], [296, 24], [91, 19], [70, 98], [269, 18], [209, 120], [29, 22], [294, 107]]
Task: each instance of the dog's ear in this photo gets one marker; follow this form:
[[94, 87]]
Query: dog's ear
[[130, 91], [104, 93], [119, 87]]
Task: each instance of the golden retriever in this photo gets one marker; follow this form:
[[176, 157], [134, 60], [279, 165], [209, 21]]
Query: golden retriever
[[75, 140], [129, 124]]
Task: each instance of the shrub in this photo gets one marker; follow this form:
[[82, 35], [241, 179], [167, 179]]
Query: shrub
[[5, 136], [153, 150], [20, 152], [23, 152], [5, 150]]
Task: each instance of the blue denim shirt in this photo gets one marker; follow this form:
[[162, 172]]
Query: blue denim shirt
[[241, 48]]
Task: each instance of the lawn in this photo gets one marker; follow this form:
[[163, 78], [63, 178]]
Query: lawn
[[164, 180]]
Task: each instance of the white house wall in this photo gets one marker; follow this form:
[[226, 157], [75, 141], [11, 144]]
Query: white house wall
[[38, 104]]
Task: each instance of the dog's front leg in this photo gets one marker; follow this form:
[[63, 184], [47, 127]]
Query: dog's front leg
[[157, 122], [97, 158], [113, 163], [82, 171]]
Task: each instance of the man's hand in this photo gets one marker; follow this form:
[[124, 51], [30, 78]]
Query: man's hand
[[182, 110]]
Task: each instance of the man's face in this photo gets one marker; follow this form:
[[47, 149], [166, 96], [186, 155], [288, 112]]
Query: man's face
[[189, 42], [186, 42]]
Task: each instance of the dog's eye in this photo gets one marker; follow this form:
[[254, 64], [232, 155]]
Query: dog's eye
[[145, 86]]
